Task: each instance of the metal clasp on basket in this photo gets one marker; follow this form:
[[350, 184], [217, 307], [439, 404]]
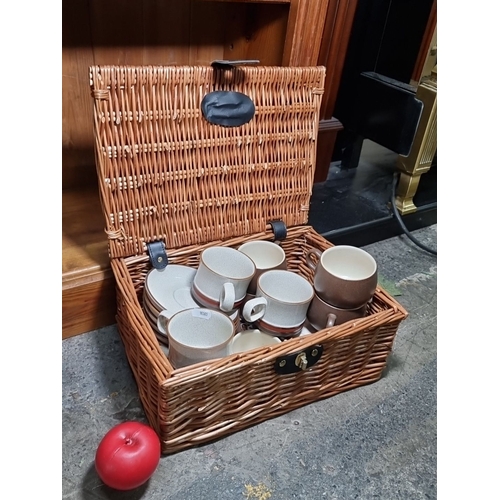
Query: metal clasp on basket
[[301, 361], [296, 362]]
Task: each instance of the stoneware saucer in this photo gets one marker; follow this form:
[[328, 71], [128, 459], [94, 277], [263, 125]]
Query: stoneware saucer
[[170, 288]]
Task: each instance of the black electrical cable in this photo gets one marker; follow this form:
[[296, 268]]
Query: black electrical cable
[[400, 220]]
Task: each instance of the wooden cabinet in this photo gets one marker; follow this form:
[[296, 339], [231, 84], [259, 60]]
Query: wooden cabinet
[[162, 32]]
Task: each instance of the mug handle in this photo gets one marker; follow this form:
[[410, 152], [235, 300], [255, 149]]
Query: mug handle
[[252, 306], [330, 320], [227, 297], [162, 322], [309, 261]]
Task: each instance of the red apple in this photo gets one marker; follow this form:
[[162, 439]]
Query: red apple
[[128, 455]]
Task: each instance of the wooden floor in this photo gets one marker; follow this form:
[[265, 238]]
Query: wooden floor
[[350, 207]]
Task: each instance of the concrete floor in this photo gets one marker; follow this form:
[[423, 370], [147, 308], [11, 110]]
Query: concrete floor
[[376, 441]]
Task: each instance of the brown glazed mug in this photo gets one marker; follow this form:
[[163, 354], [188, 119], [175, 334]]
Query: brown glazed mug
[[323, 315], [344, 276]]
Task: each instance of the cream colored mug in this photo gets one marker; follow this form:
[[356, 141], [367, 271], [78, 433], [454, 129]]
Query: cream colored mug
[[222, 278], [281, 303], [196, 335], [266, 256]]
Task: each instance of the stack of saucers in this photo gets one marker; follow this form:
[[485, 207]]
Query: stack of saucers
[[169, 290]]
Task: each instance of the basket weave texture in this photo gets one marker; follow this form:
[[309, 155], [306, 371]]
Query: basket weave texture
[[166, 174]]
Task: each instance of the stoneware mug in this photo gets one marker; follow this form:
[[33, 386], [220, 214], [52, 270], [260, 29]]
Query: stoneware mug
[[162, 318], [251, 339], [196, 335], [280, 304], [266, 256], [323, 315], [344, 276], [222, 278]]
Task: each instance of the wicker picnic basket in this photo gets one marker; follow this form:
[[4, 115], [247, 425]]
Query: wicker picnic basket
[[169, 177]]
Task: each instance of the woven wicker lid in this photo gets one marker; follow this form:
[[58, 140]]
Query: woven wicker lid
[[166, 173]]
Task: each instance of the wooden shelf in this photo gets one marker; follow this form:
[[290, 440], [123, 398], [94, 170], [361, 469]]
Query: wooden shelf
[[88, 295], [248, 1], [192, 32]]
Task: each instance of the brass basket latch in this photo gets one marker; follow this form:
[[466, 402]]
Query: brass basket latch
[[297, 362], [301, 361]]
